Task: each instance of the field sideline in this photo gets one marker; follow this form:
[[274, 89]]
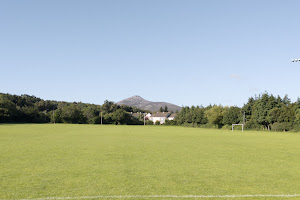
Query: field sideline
[[75, 161]]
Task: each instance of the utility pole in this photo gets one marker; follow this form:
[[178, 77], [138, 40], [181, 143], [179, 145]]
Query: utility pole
[[244, 118], [53, 116], [101, 118]]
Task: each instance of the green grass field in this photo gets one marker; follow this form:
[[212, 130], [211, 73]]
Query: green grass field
[[56, 160]]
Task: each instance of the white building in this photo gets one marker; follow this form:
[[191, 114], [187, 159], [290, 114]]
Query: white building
[[160, 116], [148, 116]]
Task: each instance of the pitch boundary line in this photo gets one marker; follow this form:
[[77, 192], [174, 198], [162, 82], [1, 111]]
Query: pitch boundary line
[[163, 196]]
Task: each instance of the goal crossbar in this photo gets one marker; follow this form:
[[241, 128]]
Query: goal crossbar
[[233, 125]]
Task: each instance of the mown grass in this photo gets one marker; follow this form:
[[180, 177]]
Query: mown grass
[[56, 160]]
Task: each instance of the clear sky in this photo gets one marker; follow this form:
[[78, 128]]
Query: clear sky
[[187, 52]]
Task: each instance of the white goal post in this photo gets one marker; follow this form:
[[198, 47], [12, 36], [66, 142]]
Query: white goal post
[[238, 125]]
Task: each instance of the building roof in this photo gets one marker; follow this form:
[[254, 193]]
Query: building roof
[[161, 114], [172, 115]]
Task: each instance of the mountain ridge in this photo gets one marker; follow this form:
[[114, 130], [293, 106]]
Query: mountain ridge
[[139, 102]]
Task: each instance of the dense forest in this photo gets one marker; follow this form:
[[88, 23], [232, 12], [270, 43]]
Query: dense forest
[[263, 112]]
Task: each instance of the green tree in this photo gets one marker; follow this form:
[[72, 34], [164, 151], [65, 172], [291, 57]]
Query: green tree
[[72, 114], [109, 106], [91, 113], [161, 109], [8, 110], [119, 116], [215, 115], [232, 115], [297, 116], [262, 107], [166, 109]]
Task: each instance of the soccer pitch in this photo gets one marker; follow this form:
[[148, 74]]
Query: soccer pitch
[[146, 162]]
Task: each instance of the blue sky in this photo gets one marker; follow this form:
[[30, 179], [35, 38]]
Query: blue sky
[[184, 52]]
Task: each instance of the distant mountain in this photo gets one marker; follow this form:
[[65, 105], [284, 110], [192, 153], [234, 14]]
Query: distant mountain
[[139, 102]]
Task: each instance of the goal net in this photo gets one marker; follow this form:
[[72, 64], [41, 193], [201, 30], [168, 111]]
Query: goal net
[[233, 125]]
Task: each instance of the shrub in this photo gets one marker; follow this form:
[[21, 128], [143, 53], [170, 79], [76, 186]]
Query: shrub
[[157, 123], [170, 122], [227, 127], [296, 128], [94, 120], [251, 124], [208, 126], [284, 126], [149, 122], [186, 124]]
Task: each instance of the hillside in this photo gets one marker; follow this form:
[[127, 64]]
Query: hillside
[[139, 102]]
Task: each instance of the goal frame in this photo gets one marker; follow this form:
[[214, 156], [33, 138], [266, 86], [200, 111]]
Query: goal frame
[[233, 125]]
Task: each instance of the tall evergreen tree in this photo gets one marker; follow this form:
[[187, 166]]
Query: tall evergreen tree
[[161, 109], [166, 109]]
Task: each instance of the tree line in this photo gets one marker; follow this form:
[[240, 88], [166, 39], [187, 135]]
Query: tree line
[[31, 109], [263, 112], [260, 112]]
